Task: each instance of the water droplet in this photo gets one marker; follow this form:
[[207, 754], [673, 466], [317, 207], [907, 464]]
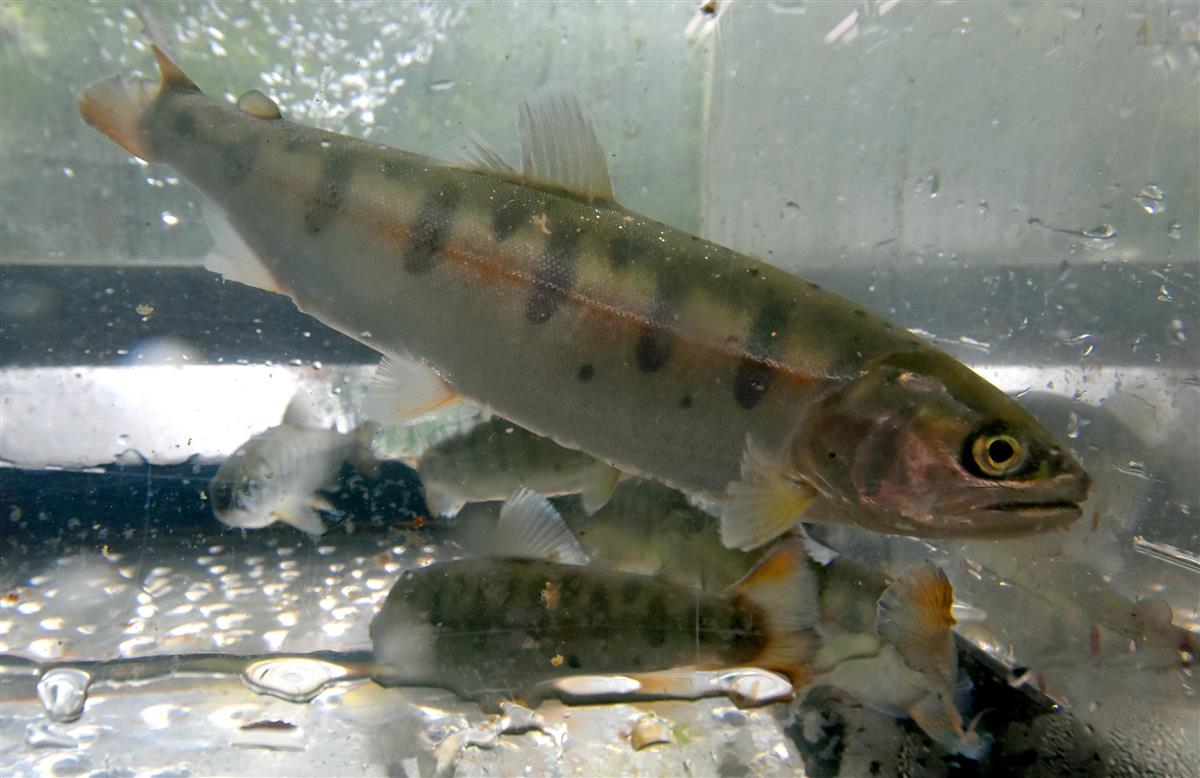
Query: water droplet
[[295, 679], [63, 691], [169, 218], [325, 144], [1152, 198], [1175, 231], [1101, 232], [441, 85], [68, 172]]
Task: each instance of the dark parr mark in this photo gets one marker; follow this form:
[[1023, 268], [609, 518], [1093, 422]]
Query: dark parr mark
[[621, 251], [507, 218], [653, 348], [747, 638], [332, 186], [751, 381], [754, 372], [238, 157], [586, 371], [554, 277], [654, 620], [685, 401], [184, 126], [432, 228]]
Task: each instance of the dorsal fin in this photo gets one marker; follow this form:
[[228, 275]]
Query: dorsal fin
[[530, 528], [171, 76], [473, 152], [559, 148]]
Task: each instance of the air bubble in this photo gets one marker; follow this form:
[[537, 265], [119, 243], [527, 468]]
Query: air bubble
[[63, 691], [1152, 198], [294, 679]]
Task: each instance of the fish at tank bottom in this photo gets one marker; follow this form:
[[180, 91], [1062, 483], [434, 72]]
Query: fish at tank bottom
[[533, 619], [660, 353]]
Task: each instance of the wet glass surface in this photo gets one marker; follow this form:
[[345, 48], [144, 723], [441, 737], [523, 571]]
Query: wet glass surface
[[1016, 182]]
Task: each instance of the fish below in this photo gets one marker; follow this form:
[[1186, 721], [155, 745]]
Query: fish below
[[537, 295], [277, 474], [535, 620]]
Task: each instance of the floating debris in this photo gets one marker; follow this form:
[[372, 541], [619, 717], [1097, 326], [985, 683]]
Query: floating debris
[[650, 730]]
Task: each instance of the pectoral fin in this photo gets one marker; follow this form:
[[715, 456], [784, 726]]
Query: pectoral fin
[[302, 517], [914, 616], [763, 504]]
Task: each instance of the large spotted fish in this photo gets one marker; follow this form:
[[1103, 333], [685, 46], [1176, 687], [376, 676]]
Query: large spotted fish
[[662, 354]]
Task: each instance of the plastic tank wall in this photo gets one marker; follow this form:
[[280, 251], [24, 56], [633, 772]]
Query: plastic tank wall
[[1018, 181]]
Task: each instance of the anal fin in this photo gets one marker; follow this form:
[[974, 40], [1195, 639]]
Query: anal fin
[[403, 389], [230, 256], [599, 487]]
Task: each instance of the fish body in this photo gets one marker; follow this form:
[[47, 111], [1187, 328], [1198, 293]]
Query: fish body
[[277, 474], [657, 351], [505, 625], [495, 458]]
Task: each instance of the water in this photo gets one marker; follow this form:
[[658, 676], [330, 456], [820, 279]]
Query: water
[[837, 140]]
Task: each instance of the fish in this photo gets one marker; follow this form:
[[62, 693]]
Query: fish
[[535, 620], [277, 474], [644, 528], [535, 294], [493, 459]]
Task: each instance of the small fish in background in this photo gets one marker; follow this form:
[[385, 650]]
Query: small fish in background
[[277, 474], [492, 460], [533, 620], [533, 292], [645, 528]]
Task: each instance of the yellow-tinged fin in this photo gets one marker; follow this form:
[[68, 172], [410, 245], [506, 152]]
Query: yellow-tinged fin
[[785, 589], [559, 148], [914, 617], [115, 106], [530, 528], [763, 504], [403, 389], [600, 485]]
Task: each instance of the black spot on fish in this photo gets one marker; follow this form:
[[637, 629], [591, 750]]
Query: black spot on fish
[[332, 186], [586, 371], [238, 156], [574, 661], [653, 349], [432, 227], [814, 287], [554, 277], [571, 585], [507, 218], [860, 313], [751, 382], [621, 251], [655, 619], [685, 401], [630, 592]]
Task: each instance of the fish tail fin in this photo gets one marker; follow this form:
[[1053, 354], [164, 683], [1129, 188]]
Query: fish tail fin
[[785, 589], [940, 720], [116, 105]]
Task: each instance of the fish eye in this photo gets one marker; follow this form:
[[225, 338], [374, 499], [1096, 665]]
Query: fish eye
[[250, 487], [997, 454]]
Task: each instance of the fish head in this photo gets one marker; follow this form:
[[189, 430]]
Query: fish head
[[921, 445], [244, 491]]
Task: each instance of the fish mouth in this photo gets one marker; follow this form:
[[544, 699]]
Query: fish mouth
[[1032, 509]]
